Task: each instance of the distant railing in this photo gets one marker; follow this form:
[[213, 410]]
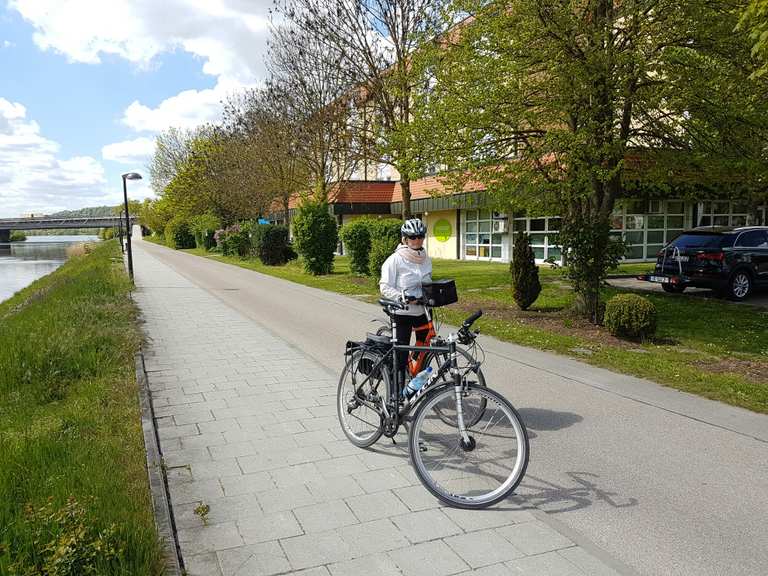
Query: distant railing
[[47, 223]]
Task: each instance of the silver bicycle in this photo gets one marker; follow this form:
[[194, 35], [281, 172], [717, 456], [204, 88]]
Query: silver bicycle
[[467, 443]]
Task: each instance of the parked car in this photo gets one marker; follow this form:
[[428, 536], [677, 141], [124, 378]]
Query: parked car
[[731, 261]]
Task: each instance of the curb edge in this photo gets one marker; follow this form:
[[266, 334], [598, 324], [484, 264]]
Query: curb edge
[[158, 485]]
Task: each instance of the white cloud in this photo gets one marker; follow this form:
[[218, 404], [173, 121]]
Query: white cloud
[[187, 109], [137, 151], [8, 44], [228, 35], [33, 177]]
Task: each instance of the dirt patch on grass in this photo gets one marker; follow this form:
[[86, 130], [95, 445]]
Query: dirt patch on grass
[[753, 370]]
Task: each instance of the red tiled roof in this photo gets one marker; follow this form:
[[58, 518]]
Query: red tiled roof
[[350, 192], [429, 186], [363, 192]]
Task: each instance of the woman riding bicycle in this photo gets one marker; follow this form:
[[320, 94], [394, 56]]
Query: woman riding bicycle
[[403, 273]]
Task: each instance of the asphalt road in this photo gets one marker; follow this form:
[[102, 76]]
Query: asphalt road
[[663, 481]]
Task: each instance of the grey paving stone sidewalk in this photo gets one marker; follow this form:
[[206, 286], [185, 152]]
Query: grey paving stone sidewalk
[[248, 427]]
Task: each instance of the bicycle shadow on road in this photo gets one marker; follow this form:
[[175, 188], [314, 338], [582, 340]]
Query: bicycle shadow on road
[[538, 419], [555, 498]]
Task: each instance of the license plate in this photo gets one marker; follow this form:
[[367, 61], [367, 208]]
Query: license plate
[[681, 258], [659, 279]]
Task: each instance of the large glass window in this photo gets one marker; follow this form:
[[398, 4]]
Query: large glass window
[[722, 213], [479, 240], [543, 233], [646, 226]]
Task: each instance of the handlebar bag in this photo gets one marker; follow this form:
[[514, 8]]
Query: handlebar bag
[[439, 293]]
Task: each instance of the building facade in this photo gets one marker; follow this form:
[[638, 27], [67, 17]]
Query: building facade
[[464, 226]]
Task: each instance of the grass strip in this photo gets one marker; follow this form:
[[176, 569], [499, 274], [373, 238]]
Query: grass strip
[[74, 496]]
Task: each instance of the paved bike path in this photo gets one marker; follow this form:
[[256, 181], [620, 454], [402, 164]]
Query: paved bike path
[[247, 427]]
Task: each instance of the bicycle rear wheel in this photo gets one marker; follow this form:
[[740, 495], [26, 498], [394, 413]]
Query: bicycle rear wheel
[[355, 398], [474, 475]]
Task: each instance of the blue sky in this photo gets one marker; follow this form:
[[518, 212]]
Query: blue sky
[[87, 84]]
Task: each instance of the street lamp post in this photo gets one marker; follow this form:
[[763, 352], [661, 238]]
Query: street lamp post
[[128, 176]]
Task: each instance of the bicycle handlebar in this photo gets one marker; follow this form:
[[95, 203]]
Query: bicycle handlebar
[[471, 320]]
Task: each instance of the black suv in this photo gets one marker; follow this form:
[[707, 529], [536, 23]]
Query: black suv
[[731, 261]]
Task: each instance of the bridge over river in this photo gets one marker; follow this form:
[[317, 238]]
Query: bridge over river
[[48, 223]]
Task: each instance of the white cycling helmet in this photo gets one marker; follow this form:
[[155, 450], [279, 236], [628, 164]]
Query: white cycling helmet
[[413, 227]]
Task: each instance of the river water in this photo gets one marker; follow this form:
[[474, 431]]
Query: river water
[[21, 263]]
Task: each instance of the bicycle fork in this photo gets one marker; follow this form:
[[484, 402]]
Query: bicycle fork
[[457, 387]]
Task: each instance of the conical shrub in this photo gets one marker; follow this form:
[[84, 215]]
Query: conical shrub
[[525, 275]]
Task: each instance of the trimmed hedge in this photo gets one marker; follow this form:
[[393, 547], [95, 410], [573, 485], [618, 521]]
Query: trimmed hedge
[[385, 237], [316, 237], [357, 242], [631, 316]]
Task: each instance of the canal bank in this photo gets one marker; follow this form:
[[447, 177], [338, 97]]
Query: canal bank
[[73, 479]]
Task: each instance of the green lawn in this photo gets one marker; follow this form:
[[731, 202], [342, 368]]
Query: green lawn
[[74, 496], [708, 347]]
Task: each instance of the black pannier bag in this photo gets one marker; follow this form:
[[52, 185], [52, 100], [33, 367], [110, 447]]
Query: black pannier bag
[[439, 293]]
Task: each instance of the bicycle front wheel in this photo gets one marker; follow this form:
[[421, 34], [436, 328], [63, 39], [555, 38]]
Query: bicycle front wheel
[[477, 473]]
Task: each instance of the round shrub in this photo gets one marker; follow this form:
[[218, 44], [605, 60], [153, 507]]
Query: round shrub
[[630, 315], [178, 235], [271, 243], [385, 236], [18, 236], [316, 236], [357, 241]]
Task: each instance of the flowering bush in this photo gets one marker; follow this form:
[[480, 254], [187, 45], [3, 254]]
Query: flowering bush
[[233, 240]]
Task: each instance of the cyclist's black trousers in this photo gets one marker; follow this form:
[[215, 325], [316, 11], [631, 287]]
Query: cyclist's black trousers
[[405, 325]]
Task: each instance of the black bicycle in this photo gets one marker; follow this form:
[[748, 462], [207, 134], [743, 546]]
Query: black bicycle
[[467, 443]]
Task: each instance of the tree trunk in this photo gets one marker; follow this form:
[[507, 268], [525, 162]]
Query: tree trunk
[[405, 186]]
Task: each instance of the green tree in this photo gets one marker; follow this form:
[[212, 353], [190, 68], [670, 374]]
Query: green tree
[[566, 107], [755, 21], [373, 42]]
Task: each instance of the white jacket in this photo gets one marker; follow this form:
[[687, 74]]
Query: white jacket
[[398, 274]]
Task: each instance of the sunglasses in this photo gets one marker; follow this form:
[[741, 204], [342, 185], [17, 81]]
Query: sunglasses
[[419, 237]]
